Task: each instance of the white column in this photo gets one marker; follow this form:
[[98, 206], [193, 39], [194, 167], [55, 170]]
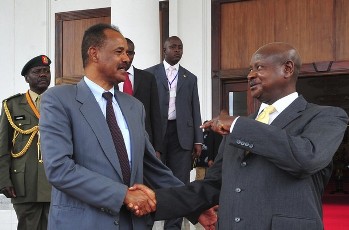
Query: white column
[[7, 59], [193, 25], [139, 21]]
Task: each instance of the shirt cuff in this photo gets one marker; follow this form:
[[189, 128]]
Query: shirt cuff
[[233, 124]]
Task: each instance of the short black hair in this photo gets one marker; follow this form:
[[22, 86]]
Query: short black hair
[[94, 36]]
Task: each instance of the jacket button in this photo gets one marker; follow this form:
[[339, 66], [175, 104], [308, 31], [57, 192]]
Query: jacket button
[[238, 142], [238, 190], [243, 164], [251, 146], [237, 219]]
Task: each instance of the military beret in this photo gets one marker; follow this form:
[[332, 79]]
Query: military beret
[[41, 60]]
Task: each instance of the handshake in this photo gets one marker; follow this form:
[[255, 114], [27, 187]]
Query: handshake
[[141, 200]]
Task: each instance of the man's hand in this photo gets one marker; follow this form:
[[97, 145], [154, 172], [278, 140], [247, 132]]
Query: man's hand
[[197, 150], [220, 124], [140, 200], [9, 192], [208, 219]]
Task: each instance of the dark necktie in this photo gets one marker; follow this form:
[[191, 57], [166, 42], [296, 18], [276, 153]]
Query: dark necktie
[[117, 138], [128, 85]]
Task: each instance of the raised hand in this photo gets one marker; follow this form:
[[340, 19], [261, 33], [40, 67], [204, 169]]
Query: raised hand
[[208, 219], [145, 195], [220, 124]]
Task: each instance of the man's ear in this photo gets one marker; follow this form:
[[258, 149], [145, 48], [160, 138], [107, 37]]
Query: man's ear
[[93, 54], [289, 68]]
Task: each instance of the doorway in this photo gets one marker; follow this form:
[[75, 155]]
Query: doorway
[[70, 28]]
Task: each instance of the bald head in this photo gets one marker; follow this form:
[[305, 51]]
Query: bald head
[[274, 72], [280, 52]]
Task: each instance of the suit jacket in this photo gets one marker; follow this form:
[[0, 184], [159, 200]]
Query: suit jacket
[[82, 164], [188, 117], [279, 184], [145, 90], [24, 173]]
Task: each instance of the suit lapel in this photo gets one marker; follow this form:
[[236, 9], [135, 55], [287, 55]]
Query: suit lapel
[[293, 111], [161, 72], [136, 80], [91, 111], [181, 77]]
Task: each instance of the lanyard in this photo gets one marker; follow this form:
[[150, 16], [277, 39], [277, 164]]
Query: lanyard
[[170, 83]]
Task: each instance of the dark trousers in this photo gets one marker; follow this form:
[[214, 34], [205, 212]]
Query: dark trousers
[[32, 216], [179, 161]]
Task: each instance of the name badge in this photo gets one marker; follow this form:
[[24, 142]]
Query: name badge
[[19, 118]]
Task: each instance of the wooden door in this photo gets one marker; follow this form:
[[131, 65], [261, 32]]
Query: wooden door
[[70, 28]]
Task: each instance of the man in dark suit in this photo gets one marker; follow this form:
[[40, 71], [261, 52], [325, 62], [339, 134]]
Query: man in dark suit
[[144, 88], [180, 114], [22, 176], [95, 145], [270, 173]]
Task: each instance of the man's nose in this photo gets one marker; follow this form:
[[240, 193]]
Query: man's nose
[[125, 57]]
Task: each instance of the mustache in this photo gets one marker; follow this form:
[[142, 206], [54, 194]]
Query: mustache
[[252, 82]]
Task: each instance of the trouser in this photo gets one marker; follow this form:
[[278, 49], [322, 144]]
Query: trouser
[[32, 215], [179, 161]]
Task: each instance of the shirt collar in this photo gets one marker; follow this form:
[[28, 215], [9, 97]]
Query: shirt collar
[[281, 104], [130, 70], [33, 95], [96, 90], [166, 65]]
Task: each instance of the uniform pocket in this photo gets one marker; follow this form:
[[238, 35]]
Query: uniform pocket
[[18, 179]]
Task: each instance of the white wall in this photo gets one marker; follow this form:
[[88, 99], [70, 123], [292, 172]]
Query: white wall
[[23, 26], [191, 21], [139, 21]]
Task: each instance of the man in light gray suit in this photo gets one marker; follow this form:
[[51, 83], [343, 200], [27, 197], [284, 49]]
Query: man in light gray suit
[[81, 161], [268, 175], [180, 114]]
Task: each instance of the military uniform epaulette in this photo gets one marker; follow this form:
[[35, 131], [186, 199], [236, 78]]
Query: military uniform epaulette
[[14, 96]]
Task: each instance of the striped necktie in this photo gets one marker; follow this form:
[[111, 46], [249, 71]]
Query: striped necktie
[[118, 139]]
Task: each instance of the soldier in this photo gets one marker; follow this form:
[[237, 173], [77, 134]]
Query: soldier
[[22, 176]]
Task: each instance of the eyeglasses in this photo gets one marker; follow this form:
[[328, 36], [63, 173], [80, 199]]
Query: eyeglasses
[[129, 53]]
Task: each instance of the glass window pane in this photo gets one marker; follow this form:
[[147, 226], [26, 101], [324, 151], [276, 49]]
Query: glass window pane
[[238, 103]]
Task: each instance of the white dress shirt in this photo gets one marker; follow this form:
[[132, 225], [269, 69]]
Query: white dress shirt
[[97, 92]]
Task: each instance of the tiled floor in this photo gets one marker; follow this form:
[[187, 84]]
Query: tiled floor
[[8, 217]]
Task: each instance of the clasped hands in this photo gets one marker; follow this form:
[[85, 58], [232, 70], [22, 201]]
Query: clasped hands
[[141, 200]]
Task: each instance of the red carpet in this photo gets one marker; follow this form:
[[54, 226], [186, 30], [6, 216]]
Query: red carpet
[[336, 209]]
